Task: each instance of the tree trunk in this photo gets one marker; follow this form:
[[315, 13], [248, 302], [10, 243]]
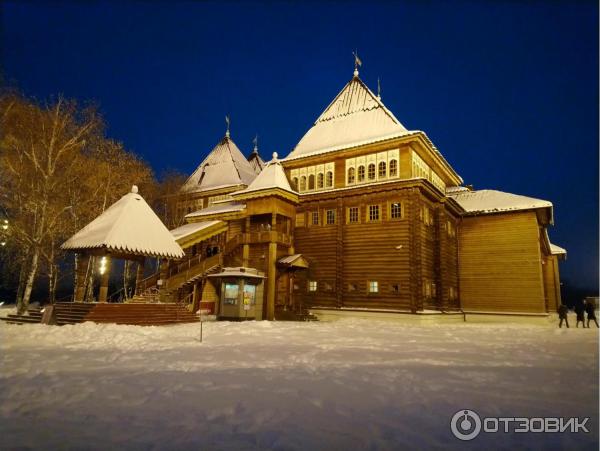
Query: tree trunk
[[89, 277], [24, 304], [52, 282], [21, 286]]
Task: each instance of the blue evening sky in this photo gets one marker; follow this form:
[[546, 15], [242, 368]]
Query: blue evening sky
[[508, 91]]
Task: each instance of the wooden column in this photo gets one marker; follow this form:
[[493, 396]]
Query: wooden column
[[103, 294], [82, 266], [164, 273], [139, 275], [271, 282]]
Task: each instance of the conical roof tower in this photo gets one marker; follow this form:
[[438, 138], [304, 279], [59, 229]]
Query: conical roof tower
[[225, 166]]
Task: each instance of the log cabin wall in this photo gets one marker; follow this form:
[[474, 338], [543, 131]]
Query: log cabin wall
[[500, 266], [401, 254]]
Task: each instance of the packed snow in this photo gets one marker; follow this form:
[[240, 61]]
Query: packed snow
[[349, 384]]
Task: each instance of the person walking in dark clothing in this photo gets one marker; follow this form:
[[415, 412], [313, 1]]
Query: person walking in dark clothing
[[590, 308], [562, 314], [580, 312]]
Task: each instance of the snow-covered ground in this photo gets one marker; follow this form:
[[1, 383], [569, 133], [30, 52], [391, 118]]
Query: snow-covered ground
[[350, 384]]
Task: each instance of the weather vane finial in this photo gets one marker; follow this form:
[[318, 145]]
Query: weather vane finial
[[357, 62], [255, 142], [227, 122]]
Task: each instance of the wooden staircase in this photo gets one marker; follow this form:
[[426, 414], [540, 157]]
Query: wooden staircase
[[66, 313], [134, 314], [141, 314]]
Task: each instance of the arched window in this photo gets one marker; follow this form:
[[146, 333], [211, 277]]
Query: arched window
[[361, 173], [382, 169], [393, 168], [311, 182], [351, 175], [320, 180], [372, 171], [329, 179], [295, 183], [303, 183]]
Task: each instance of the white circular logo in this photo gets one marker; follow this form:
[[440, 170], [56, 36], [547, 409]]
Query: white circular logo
[[465, 425]]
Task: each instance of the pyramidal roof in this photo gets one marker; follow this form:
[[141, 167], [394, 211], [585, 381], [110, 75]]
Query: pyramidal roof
[[256, 161], [356, 115], [271, 177], [128, 226], [224, 166]]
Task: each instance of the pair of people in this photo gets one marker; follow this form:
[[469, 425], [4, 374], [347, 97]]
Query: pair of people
[[581, 308]]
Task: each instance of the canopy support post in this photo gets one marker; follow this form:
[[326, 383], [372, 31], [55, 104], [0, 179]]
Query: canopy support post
[[103, 294]]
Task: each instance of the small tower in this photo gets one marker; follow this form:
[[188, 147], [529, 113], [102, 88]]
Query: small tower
[[254, 159]]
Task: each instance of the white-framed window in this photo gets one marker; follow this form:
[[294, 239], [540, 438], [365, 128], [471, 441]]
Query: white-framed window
[[361, 173], [373, 286], [295, 183], [315, 218], [382, 170], [371, 171], [329, 179], [330, 217], [312, 285], [395, 210], [311, 182], [351, 176], [320, 180], [303, 183], [353, 214], [393, 168], [374, 213]]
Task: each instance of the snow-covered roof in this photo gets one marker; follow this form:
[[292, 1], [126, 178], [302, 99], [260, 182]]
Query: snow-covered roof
[[355, 114], [355, 117], [492, 201], [224, 207], [128, 226], [240, 271], [256, 161], [271, 177], [557, 250], [224, 166], [184, 231]]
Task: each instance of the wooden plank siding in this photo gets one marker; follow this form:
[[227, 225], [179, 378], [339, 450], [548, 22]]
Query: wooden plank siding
[[500, 263], [396, 253]]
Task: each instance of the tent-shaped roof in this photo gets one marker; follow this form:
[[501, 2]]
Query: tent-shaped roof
[[356, 115], [256, 161], [129, 226], [492, 201], [557, 250], [224, 166], [272, 177]]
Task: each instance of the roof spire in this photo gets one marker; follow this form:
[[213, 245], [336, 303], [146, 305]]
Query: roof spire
[[378, 89], [227, 134], [255, 142], [357, 62]]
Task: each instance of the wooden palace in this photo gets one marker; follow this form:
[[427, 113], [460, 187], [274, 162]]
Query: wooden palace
[[362, 216]]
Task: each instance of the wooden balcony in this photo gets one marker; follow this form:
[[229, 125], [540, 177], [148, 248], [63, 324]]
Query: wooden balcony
[[267, 236]]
